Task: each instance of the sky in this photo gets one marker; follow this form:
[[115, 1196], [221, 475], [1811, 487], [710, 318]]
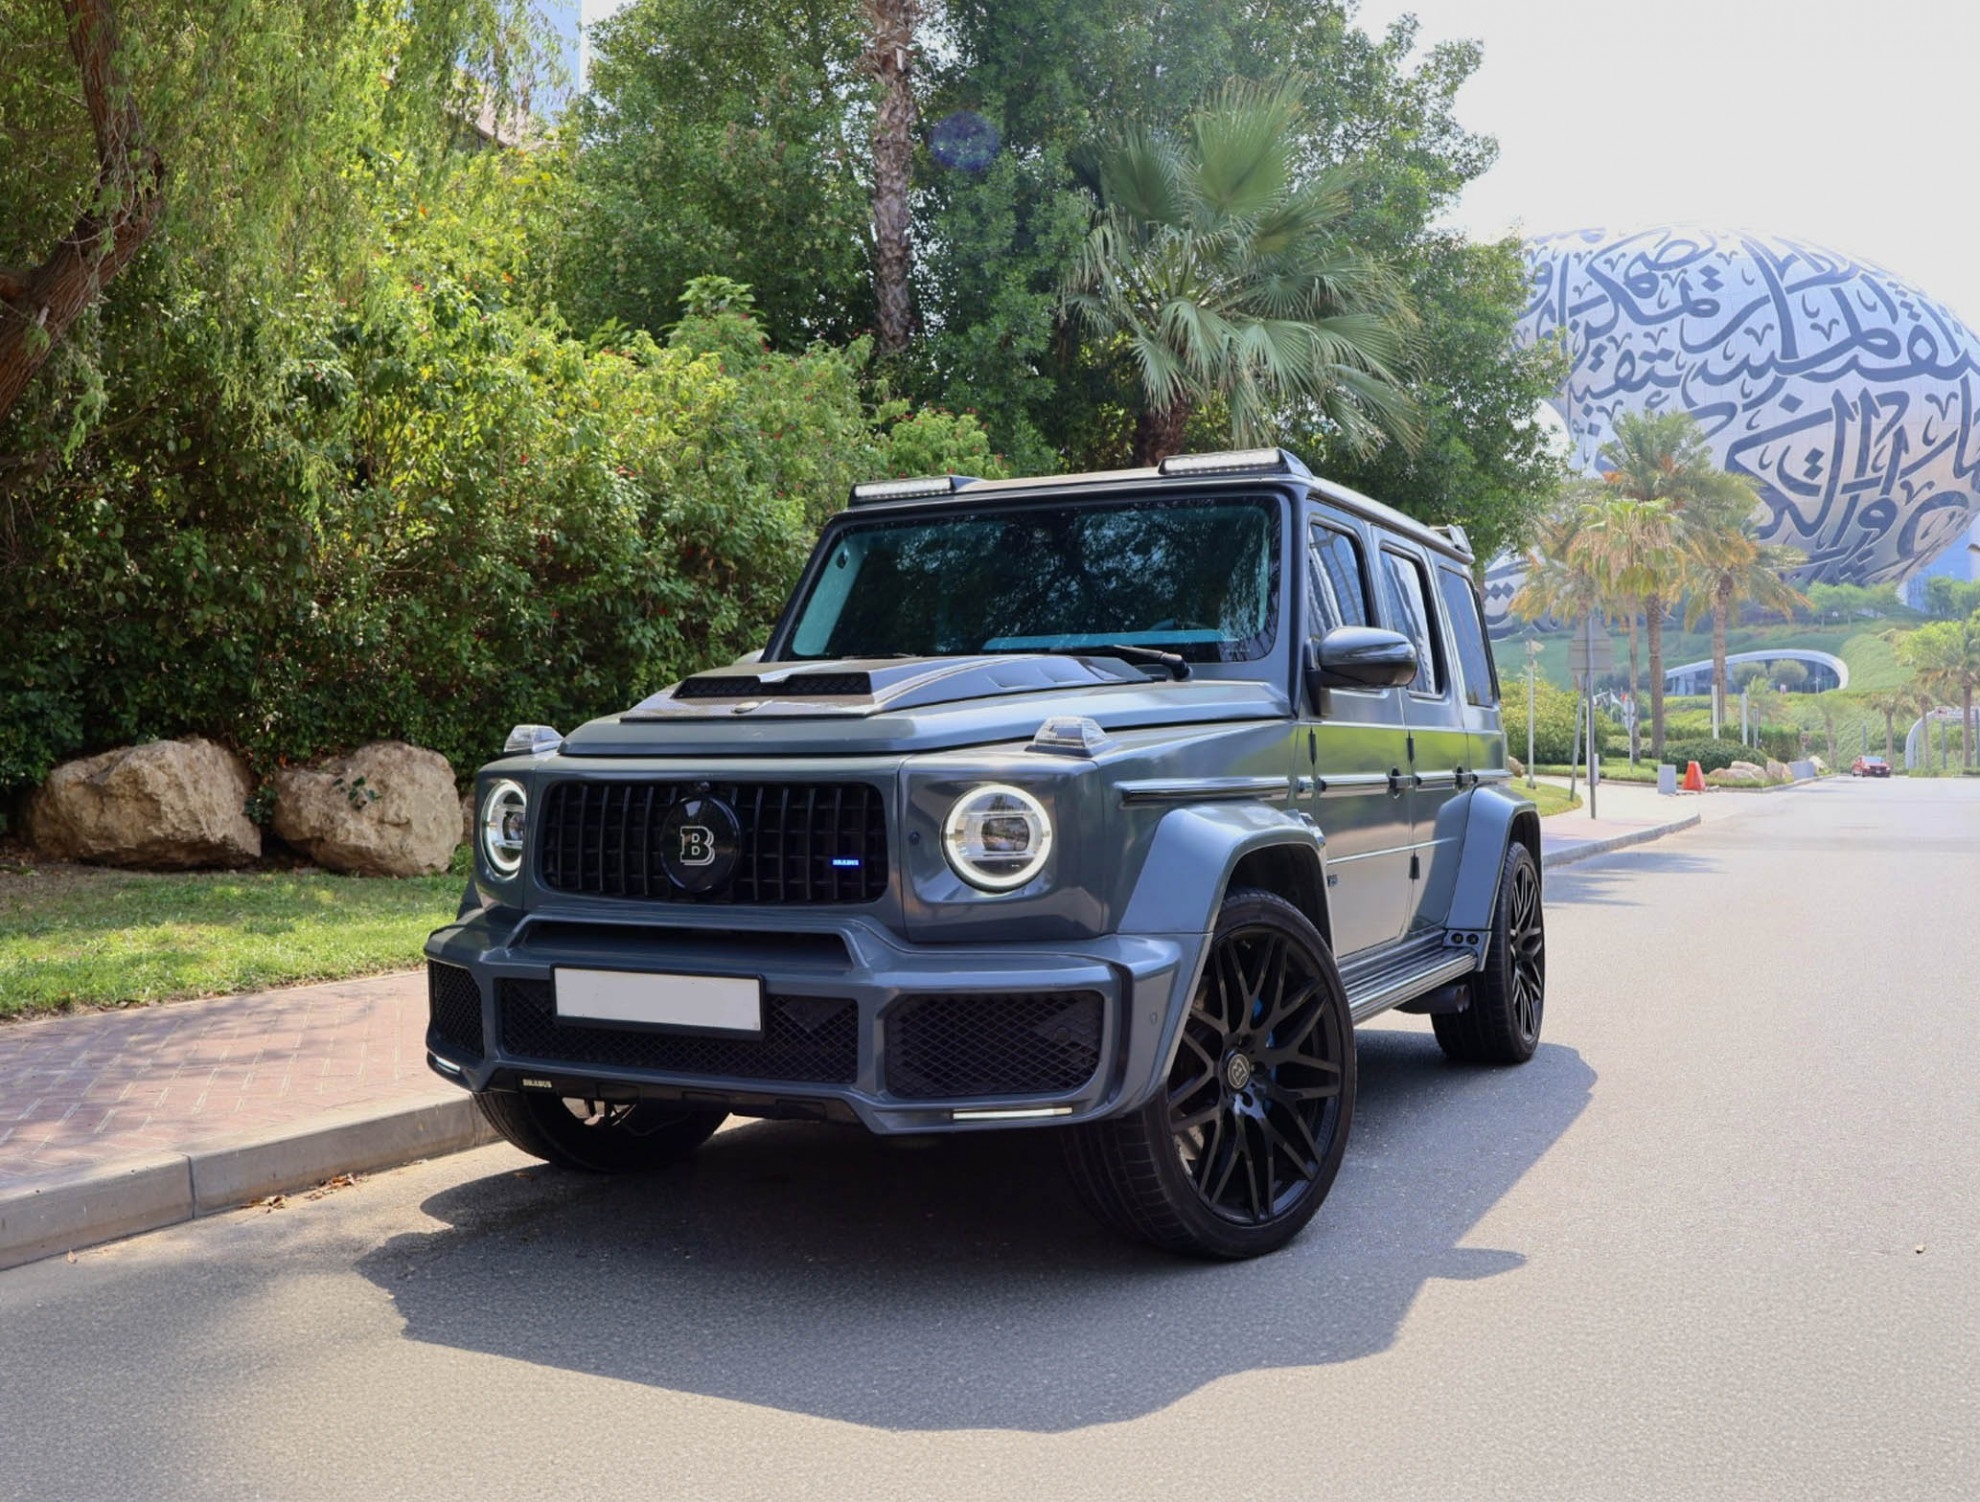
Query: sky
[[1854, 127]]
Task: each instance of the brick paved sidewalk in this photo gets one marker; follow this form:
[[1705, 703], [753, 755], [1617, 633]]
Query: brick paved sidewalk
[[91, 1089]]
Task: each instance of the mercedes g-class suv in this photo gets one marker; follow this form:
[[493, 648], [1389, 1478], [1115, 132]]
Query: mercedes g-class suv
[[1102, 803]]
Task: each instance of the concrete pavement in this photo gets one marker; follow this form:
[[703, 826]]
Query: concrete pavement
[[1717, 1240]]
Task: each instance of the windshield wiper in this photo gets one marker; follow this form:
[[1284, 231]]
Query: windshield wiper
[[1178, 667]]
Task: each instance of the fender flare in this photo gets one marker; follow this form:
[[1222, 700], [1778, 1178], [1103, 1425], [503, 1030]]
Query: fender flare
[[1197, 848], [1202, 845], [1498, 816]]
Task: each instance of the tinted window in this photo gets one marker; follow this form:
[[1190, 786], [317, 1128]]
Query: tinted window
[[1481, 686], [1409, 613], [1337, 579], [1195, 577]]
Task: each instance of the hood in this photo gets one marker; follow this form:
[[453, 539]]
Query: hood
[[874, 705]]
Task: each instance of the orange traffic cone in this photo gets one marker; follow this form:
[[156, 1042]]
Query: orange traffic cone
[[1694, 780]]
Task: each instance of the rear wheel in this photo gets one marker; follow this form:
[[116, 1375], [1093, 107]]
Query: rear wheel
[[1234, 1155], [1509, 996], [598, 1136]]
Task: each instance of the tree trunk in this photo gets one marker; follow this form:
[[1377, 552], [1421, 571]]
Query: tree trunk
[[38, 306], [1653, 623], [1160, 434], [1890, 736], [891, 27], [1721, 619], [1635, 698], [1966, 724]]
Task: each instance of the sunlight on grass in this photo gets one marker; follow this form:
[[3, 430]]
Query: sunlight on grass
[[75, 937]]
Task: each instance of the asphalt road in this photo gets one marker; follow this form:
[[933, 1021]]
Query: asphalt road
[[1721, 1238]]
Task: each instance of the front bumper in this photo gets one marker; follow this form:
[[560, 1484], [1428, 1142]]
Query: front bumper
[[858, 1024]]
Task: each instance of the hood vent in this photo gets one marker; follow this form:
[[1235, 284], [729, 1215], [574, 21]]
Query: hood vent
[[791, 686]]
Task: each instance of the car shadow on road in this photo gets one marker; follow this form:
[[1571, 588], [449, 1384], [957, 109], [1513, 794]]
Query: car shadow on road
[[955, 1282], [1604, 879]]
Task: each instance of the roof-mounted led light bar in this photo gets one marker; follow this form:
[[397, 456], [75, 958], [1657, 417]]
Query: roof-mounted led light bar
[[1236, 462], [867, 492]]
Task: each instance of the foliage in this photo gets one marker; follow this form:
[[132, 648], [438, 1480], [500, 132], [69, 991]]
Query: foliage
[[721, 139], [1711, 755], [70, 937], [1952, 599], [1228, 282], [1552, 720], [1945, 656], [438, 517], [1788, 673]]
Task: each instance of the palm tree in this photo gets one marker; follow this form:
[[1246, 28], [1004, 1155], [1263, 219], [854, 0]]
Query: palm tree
[[1662, 459], [1946, 657], [1227, 280], [1634, 545], [1890, 703], [891, 27], [1731, 568]]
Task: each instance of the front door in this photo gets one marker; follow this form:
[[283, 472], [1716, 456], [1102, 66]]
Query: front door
[[1354, 759]]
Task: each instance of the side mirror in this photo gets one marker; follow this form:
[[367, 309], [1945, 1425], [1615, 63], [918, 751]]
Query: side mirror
[[1359, 657]]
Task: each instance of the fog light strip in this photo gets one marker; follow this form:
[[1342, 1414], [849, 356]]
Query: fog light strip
[[1019, 1113], [440, 1063]]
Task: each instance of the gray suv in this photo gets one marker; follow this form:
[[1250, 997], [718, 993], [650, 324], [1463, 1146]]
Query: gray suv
[[1107, 803]]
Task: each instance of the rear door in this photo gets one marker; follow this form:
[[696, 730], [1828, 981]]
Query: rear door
[[1353, 761], [1439, 743]]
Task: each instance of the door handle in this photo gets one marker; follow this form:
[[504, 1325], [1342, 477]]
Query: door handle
[[1396, 784]]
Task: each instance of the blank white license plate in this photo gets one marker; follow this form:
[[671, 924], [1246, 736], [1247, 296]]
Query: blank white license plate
[[713, 1003]]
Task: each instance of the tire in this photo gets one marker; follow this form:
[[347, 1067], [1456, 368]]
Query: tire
[[597, 1136], [1509, 996], [1231, 1159]]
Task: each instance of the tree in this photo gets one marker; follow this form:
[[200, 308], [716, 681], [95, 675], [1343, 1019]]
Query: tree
[[229, 128], [1229, 283], [714, 139], [889, 56], [1662, 458], [1732, 568], [1787, 674], [1945, 656], [1890, 703]]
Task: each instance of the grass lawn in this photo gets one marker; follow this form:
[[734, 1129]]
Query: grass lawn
[[80, 936], [1548, 798]]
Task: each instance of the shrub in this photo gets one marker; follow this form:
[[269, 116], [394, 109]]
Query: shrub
[[1553, 721], [1711, 755]]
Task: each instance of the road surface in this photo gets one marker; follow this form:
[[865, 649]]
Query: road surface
[[1721, 1238]]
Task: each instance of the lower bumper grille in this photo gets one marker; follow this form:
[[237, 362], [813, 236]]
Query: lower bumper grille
[[806, 1040], [453, 1003], [1011, 1043]]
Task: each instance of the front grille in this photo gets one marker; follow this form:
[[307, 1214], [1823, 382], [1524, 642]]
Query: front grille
[[801, 842], [806, 1040], [1010, 1043], [453, 1002]]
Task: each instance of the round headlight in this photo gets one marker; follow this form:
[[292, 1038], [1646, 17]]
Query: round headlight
[[504, 809], [997, 837]]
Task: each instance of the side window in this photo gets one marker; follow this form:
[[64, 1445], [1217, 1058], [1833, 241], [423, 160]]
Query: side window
[[1409, 612], [1335, 577], [1481, 683]]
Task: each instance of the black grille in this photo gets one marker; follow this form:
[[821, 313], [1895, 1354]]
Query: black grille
[[801, 842], [798, 685], [806, 1039], [1012, 1043], [454, 1010]]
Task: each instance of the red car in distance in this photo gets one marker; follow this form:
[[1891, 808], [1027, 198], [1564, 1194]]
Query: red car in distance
[[1869, 766]]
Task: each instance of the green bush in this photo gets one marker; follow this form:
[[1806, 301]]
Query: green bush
[[419, 510], [1711, 755], [1553, 721]]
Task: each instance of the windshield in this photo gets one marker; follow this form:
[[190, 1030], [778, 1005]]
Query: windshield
[[1195, 577]]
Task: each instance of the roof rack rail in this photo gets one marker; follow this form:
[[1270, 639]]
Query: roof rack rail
[[1236, 462], [869, 492]]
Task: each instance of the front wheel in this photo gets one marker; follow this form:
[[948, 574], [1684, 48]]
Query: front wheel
[[1508, 997], [597, 1136], [1234, 1155]]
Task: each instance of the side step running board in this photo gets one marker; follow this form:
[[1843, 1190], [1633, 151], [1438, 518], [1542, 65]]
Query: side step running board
[[1386, 989]]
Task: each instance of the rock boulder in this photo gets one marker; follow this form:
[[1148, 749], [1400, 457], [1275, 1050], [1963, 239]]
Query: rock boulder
[[387, 809], [1777, 771], [166, 805]]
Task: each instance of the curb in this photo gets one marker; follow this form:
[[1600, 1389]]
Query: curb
[[50, 1216], [1586, 849]]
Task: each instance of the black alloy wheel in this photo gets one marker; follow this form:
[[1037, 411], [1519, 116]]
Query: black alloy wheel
[[1233, 1157], [597, 1136], [1509, 996]]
